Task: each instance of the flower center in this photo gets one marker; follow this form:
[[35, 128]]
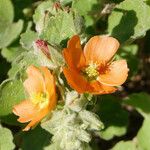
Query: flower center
[[40, 99], [91, 71]]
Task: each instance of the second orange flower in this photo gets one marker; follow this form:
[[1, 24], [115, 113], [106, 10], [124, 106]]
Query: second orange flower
[[40, 86]]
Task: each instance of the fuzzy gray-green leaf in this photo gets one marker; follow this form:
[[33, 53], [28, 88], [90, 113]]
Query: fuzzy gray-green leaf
[[59, 28], [11, 93], [129, 20], [9, 34], [6, 139]]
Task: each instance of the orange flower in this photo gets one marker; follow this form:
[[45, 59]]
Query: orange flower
[[92, 69], [40, 85]]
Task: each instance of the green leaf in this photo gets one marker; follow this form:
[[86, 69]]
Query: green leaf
[[141, 102], [129, 20], [28, 38], [6, 139], [58, 116], [69, 131], [56, 146], [56, 56], [143, 136], [21, 63], [6, 13], [9, 31], [91, 120], [75, 102], [65, 2], [8, 35], [91, 7], [79, 23], [11, 93], [35, 57], [40, 14], [10, 53], [147, 1], [58, 28], [125, 145], [113, 116], [37, 139]]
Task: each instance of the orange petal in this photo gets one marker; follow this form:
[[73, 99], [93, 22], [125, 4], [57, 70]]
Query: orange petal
[[73, 54], [41, 114], [49, 83], [98, 88], [34, 71], [49, 80], [100, 49], [79, 83], [33, 85], [35, 82], [25, 110], [75, 80], [37, 118], [116, 75]]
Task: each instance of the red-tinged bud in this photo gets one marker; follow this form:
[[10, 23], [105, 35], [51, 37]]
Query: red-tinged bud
[[43, 46]]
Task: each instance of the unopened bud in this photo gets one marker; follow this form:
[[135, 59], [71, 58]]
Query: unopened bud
[[43, 46]]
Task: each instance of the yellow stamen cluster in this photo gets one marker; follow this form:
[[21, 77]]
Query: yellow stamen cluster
[[40, 99], [91, 71]]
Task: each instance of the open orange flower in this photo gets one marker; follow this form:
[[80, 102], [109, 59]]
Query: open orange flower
[[92, 69], [40, 85]]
